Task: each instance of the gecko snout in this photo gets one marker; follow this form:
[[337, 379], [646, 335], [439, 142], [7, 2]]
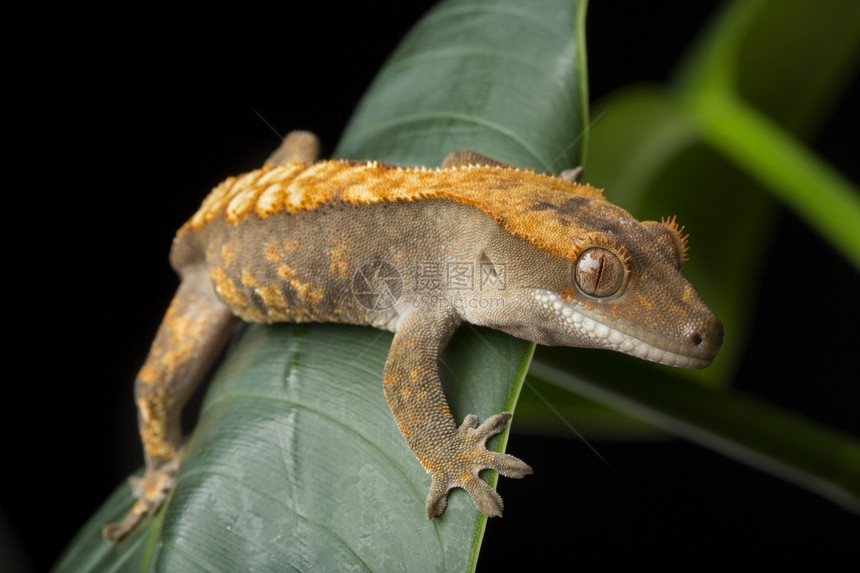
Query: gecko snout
[[708, 338]]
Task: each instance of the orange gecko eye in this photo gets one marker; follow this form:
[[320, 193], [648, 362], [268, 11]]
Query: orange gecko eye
[[599, 273]]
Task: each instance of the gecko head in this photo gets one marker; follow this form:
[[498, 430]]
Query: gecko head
[[620, 288], [625, 292]]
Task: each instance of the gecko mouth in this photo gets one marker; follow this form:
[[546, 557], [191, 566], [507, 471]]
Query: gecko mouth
[[695, 350]]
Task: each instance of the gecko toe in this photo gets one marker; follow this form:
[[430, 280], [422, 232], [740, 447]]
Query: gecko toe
[[470, 422], [491, 426], [116, 531], [486, 499], [510, 466], [437, 500], [150, 492]]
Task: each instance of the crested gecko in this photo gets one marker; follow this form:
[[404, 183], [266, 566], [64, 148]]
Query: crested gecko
[[544, 258]]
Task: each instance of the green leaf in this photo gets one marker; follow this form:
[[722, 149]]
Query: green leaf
[[810, 50], [296, 461], [800, 180], [498, 77]]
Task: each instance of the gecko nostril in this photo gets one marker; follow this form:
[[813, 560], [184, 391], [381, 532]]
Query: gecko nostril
[[697, 339]]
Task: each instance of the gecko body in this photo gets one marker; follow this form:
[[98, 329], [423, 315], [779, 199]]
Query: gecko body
[[416, 252]]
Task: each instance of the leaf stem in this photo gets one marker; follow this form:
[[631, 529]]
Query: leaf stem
[[819, 459], [818, 194]]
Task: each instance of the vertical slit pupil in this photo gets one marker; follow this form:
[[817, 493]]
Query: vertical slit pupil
[[602, 262]]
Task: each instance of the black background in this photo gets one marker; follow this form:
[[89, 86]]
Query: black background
[[139, 118]]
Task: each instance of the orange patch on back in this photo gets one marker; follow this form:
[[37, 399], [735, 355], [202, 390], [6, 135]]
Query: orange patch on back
[[244, 199], [529, 205], [233, 297], [248, 279], [338, 260], [272, 254], [292, 246], [227, 255], [276, 306], [286, 272], [305, 291]]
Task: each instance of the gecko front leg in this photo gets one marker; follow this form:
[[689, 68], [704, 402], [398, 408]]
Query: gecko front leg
[[194, 330], [453, 456]]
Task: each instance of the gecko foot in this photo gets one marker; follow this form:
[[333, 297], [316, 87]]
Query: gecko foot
[[150, 491], [468, 456]]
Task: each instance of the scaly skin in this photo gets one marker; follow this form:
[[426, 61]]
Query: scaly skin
[[417, 252]]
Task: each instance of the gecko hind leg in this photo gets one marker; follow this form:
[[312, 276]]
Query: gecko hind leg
[[194, 330], [297, 147]]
